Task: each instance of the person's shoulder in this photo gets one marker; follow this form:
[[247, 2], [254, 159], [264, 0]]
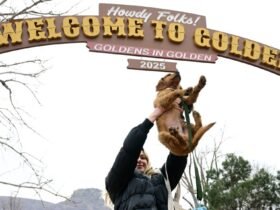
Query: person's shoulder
[[157, 171]]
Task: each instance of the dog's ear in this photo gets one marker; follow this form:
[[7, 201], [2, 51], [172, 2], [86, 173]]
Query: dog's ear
[[161, 85], [169, 80]]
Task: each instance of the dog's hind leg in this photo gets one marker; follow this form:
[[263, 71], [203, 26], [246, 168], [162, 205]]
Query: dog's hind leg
[[172, 143], [199, 133], [197, 121], [180, 140], [167, 139]]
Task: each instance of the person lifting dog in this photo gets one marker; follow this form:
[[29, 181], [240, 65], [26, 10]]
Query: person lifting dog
[[132, 183]]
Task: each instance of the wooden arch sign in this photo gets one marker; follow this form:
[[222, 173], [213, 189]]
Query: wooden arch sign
[[140, 31]]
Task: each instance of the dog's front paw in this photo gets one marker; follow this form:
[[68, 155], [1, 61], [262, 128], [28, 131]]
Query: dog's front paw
[[188, 91], [202, 82], [180, 92]]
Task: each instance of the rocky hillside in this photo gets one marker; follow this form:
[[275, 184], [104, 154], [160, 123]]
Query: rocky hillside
[[82, 199]]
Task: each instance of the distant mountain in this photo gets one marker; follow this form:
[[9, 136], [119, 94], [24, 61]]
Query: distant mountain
[[82, 199]]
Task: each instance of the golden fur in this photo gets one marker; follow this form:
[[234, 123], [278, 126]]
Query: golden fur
[[173, 131]]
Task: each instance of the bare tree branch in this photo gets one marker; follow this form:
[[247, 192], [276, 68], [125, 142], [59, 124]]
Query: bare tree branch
[[4, 65], [201, 159], [23, 157], [32, 10], [190, 203], [25, 10], [17, 76], [2, 2], [188, 183], [26, 86], [36, 187], [15, 108], [9, 119], [51, 13]]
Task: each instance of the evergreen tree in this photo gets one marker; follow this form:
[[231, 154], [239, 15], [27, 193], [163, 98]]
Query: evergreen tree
[[233, 186]]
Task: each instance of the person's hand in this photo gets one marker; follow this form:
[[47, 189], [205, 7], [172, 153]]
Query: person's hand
[[158, 111]]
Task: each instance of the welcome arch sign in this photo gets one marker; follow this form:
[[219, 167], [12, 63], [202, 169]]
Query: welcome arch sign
[[140, 31]]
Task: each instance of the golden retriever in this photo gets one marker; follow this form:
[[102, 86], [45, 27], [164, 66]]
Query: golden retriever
[[172, 128]]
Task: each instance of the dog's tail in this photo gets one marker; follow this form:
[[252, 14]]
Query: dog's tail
[[200, 132]]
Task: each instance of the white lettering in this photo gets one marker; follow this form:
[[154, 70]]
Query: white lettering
[[157, 52], [97, 46], [122, 49], [208, 58], [193, 56], [107, 48], [162, 14], [143, 14], [121, 12], [177, 17], [113, 10], [131, 50]]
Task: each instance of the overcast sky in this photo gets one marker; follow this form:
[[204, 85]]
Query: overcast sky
[[90, 100]]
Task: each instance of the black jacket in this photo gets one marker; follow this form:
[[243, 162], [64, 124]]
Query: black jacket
[[129, 189]]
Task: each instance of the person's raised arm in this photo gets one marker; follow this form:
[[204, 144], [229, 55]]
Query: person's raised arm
[[158, 111], [124, 165], [175, 166]]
